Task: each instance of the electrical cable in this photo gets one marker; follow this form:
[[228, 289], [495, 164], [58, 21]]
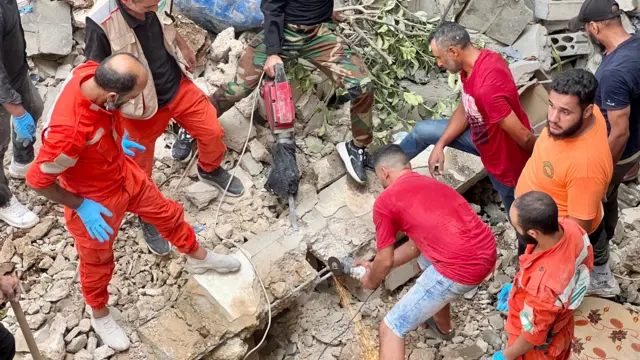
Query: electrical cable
[[239, 247], [348, 325]]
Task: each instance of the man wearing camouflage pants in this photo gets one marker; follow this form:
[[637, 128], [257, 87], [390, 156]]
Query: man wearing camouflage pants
[[305, 29]]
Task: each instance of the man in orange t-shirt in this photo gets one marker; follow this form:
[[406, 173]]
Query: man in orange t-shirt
[[571, 162]]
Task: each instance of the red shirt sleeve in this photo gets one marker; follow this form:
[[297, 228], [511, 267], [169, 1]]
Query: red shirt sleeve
[[493, 104], [386, 226], [60, 150]]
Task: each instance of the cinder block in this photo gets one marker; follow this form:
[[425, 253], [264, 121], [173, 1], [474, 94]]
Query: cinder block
[[556, 9], [571, 44], [400, 275]]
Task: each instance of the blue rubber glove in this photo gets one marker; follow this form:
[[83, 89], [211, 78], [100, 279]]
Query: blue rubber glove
[[25, 127], [503, 298], [499, 356], [127, 145], [90, 213]]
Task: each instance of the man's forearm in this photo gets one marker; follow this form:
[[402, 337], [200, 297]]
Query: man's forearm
[[61, 196], [16, 110], [457, 125], [380, 269], [520, 347], [405, 253]]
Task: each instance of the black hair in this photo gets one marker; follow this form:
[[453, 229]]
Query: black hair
[[577, 82], [391, 154], [537, 211], [450, 34], [111, 80]]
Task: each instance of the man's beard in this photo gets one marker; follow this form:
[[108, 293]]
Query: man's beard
[[568, 132], [528, 239], [597, 45]]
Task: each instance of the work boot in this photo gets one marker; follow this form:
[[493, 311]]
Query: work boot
[[355, 159], [216, 262], [111, 333], [17, 170], [183, 145], [602, 282], [220, 178], [17, 215], [155, 242]]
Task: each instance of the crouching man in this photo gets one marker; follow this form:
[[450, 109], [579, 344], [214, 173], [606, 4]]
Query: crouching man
[[456, 250], [551, 283], [84, 147]]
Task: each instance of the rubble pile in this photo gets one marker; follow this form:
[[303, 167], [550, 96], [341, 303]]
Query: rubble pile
[[170, 315]]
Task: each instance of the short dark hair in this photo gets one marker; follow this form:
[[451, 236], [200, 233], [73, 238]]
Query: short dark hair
[[537, 211], [115, 81], [391, 154], [450, 34], [578, 82]]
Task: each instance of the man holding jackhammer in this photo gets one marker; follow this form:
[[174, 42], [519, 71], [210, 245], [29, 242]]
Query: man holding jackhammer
[[305, 29], [455, 249], [141, 28], [82, 165]]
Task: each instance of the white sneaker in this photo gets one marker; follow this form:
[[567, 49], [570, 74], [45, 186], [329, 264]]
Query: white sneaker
[[216, 262], [111, 333], [18, 171], [17, 215], [602, 282]]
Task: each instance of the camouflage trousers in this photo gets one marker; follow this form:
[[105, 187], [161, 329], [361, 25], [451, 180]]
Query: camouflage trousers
[[319, 45]]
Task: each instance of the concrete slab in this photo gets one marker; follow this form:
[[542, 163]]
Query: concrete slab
[[556, 9], [170, 337], [48, 29], [235, 293], [502, 20]]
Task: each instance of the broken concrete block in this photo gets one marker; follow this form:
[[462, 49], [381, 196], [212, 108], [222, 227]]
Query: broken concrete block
[[171, 337], [505, 26], [523, 70], [201, 194], [63, 71], [534, 44], [628, 5], [222, 45], [46, 68], [48, 29], [250, 164], [328, 169], [232, 349], [570, 44], [461, 170], [556, 9], [400, 275], [236, 128]]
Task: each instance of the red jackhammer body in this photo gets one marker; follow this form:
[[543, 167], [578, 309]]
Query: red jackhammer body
[[284, 176]]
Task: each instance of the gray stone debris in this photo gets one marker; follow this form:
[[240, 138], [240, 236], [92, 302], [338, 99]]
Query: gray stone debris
[[47, 29], [201, 194], [505, 25]]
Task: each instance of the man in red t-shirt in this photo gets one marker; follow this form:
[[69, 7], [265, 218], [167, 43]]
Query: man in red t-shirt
[[489, 122], [456, 250]]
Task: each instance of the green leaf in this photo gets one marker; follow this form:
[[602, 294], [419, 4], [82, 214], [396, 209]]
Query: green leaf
[[423, 16], [322, 130], [412, 99], [383, 29]]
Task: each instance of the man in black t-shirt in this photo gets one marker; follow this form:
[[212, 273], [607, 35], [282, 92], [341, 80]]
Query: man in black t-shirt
[[618, 97]]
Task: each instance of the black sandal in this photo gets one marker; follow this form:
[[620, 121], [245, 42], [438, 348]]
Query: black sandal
[[432, 325]]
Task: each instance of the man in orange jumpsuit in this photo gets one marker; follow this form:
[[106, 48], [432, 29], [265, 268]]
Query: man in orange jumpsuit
[[84, 147], [551, 283]]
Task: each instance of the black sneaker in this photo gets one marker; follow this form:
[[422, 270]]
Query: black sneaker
[[181, 148], [355, 160], [155, 242], [219, 178]]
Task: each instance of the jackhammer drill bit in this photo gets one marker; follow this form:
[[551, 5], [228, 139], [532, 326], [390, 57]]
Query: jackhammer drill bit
[[292, 212]]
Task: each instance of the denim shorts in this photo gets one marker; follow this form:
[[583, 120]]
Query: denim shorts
[[429, 295]]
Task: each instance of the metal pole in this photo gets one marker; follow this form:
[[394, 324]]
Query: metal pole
[[26, 331]]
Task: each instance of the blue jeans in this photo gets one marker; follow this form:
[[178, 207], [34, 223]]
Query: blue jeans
[[428, 132], [429, 295]]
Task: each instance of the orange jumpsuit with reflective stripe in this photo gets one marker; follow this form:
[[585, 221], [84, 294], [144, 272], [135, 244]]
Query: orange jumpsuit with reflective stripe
[[81, 147], [543, 292]]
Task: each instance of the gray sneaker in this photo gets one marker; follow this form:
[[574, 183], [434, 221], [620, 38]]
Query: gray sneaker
[[216, 262], [602, 282], [155, 242]]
